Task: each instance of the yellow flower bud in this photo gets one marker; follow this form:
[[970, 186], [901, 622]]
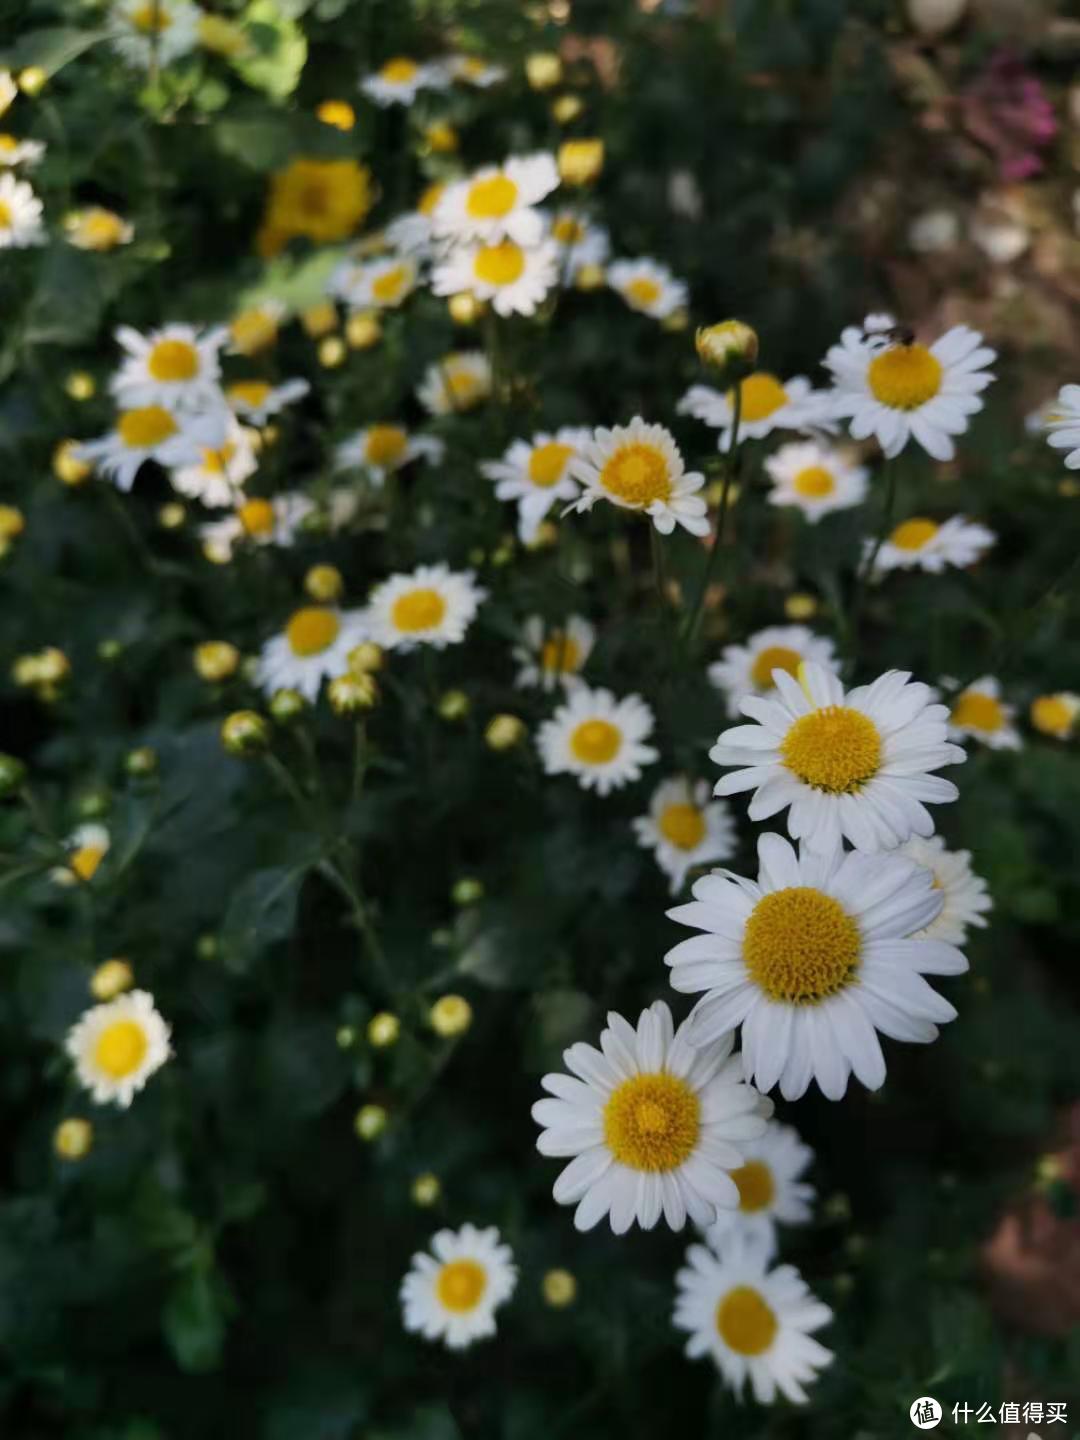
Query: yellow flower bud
[[254, 330], [111, 978], [426, 1190], [141, 762], [467, 891], [80, 385], [32, 80], [363, 330], [580, 161], [370, 1121], [287, 706], [172, 515], [677, 321], [800, 606], [338, 113], [543, 69], [566, 109], [216, 660], [465, 308], [454, 705], [54, 667], [320, 319], [441, 138], [547, 533], [504, 732], [450, 1015], [73, 1139], [332, 352], [12, 522], [324, 583], [730, 347], [590, 277], [68, 468], [245, 733], [1055, 714], [365, 658], [559, 1289], [383, 1030], [352, 694]]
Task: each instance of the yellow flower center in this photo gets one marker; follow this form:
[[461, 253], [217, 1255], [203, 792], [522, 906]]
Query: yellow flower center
[[500, 264], [256, 517], [463, 384], [150, 18], [755, 1185], [596, 742], [144, 428], [249, 392], [746, 1321], [568, 230], [913, 534], [644, 292], [835, 749], [253, 330], [173, 360], [461, 1285], [312, 630], [905, 376], [385, 444], [978, 712], [389, 286], [774, 657], [561, 654], [637, 474], [430, 198], [86, 859], [420, 609], [399, 71], [800, 945], [814, 483], [652, 1122], [547, 463], [762, 396], [121, 1049], [683, 825], [1052, 715], [492, 198], [5, 216], [216, 462]]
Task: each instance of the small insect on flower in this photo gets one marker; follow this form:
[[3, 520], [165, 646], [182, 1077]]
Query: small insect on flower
[[117, 1047], [459, 381], [771, 1191], [20, 214], [966, 899], [383, 449], [514, 278], [655, 1127], [639, 467], [400, 79], [452, 1293], [745, 670], [979, 713], [551, 656], [598, 738], [922, 544], [685, 830], [815, 479], [496, 203], [648, 287], [536, 474], [433, 605], [314, 646], [756, 1324]]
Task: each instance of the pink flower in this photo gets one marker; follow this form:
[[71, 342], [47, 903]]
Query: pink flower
[[1006, 109]]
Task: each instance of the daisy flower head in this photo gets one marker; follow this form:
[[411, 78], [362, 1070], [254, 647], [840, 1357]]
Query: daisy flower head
[[382, 450], [217, 477], [551, 656], [772, 1192], [536, 474], [812, 959], [598, 738], [149, 32], [515, 278], [1063, 424], [498, 202], [257, 401], [86, 848], [14, 151], [652, 1126], [116, 1047], [411, 234], [9, 91], [434, 605], [744, 670], [380, 284], [922, 544], [153, 432], [684, 829], [965, 898], [459, 381], [254, 329], [898, 389], [96, 228], [855, 764], [648, 287], [766, 404], [257, 521], [452, 1293], [471, 70], [313, 646], [177, 366], [581, 242], [817, 479], [1056, 714], [757, 1324], [639, 467], [400, 79], [980, 713], [20, 214]]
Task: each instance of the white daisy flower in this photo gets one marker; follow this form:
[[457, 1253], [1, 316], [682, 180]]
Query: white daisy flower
[[771, 1191], [314, 646], [654, 1126], [433, 605], [14, 151], [536, 473], [86, 847], [816, 479], [381, 284], [147, 30], [217, 477], [744, 670], [177, 366], [257, 400], [648, 287], [20, 214], [898, 391], [684, 830], [550, 656], [452, 1294], [97, 228], [516, 279], [382, 450], [922, 544], [966, 899], [639, 467], [257, 521], [254, 328], [497, 202], [813, 959], [116, 1047], [411, 234], [400, 80], [459, 381], [597, 738], [1049, 413], [979, 712], [767, 405], [1056, 714], [757, 1324], [1063, 423], [151, 432], [581, 242], [9, 91], [471, 70], [856, 765]]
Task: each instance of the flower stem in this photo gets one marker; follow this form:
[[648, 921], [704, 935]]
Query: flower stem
[[866, 570], [730, 467]]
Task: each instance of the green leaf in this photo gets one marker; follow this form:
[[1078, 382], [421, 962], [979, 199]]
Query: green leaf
[[262, 911], [280, 50], [260, 141], [52, 49], [193, 1322]]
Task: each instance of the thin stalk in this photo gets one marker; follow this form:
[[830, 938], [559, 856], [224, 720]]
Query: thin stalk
[[866, 570], [721, 523]]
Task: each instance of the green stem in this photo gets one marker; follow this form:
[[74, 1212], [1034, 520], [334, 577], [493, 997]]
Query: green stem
[[730, 467], [866, 570]]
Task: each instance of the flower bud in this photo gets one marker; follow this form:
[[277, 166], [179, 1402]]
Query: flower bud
[[12, 525], [324, 583], [363, 330], [467, 891], [426, 1190], [730, 347], [332, 352], [580, 161], [800, 606], [12, 775], [504, 732], [441, 138], [566, 109], [383, 1030], [172, 515], [465, 308], [338, 113], [345, 1037], [454, 705], [32, 80], [216, 660], [450, 1015], [68, 468], [111, 978], [1055, 715], [352, 694], [559, 1289], [80, 385], [543, 69], [73, 1139], [245, 733], [590, 277], [141, 762], [287, 706], [365, 658], [207, 947], [371, 1121], [320, 319]]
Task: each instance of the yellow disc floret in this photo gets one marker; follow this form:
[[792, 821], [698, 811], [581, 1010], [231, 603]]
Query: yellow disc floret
[[637, 474], [800, 945], [312, 629], [460, 1285], [745, 1321], [120, 1049], [652, 1122], [835, 749], [596, 742], [905, 377], [420, 609], [683, 826]]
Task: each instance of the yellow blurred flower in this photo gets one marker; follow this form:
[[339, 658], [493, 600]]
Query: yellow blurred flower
[[321, 200], [580, 161], [338, 113]]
